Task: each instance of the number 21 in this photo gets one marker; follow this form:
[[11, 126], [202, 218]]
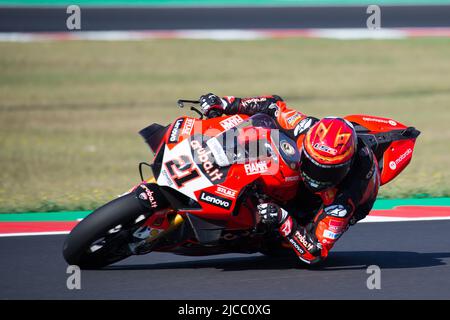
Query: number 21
[[181, 170]]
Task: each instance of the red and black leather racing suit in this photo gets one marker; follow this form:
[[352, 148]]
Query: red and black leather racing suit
[[317, 220]]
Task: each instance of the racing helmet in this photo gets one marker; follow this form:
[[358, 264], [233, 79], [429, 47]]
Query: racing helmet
[[327, 154]]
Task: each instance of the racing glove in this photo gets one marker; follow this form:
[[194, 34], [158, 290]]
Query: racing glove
[[302, 240], [210, 102], [305, 245], [272, 214]]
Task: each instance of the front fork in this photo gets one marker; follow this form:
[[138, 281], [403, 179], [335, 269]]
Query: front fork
[[146, 237], [160, 222], [175, 221]]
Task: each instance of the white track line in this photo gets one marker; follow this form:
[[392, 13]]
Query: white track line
[[227, 34], [26, 234], [369, 219]]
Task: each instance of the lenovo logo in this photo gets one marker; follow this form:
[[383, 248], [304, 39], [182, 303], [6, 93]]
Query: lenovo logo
[[173, 137], [215, 200]]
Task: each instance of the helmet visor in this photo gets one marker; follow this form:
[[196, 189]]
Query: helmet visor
[[320, 177]]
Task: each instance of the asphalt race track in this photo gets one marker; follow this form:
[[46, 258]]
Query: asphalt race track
[[96, 19], [414, 258]]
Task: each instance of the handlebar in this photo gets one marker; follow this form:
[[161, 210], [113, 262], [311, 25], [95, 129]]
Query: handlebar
[[211, 114], [181, 102]]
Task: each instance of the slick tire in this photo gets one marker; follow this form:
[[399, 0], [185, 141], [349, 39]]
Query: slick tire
[[122, 212]]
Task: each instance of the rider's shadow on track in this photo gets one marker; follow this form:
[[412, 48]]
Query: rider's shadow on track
[[353, 260], [343, 260]]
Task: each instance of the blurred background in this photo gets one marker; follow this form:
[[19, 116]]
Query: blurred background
[[72, 101]]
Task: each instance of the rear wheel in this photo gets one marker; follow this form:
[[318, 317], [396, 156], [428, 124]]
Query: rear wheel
[[102, 237]]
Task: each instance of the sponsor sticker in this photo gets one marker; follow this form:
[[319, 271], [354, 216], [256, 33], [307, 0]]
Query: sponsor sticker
[[204, 157], [188, 126], [227, 192], [336, 225], [336, 210], [391, 122], [306, 244], [175, 132], [231, 122], [256, 167], [215, 200], [292, 119], [303, 126], [246, 102], [324, 148], [292, 178], [331, 235], [149, 194], [393, 164], [296, 246], [166, 177]]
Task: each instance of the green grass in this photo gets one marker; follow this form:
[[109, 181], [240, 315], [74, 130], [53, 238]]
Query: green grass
[[70, 111]]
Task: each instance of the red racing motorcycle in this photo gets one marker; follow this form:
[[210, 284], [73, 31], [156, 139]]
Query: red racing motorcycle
[[212, 173]]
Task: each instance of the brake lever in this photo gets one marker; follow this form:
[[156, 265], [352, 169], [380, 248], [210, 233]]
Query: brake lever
[[181, 103], [198, 112]]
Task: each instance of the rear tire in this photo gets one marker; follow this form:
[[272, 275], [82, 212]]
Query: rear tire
[[122, 211]]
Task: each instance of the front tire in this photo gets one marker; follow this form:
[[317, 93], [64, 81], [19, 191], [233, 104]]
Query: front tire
[[102, 237]]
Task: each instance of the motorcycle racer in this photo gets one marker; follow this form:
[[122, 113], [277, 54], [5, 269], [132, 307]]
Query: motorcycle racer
[[340, 176]]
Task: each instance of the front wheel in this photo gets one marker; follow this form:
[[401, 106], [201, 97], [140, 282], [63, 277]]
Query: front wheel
[[102, 237]]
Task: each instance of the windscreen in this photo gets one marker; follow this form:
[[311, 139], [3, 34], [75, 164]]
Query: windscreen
[[247, 142]]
